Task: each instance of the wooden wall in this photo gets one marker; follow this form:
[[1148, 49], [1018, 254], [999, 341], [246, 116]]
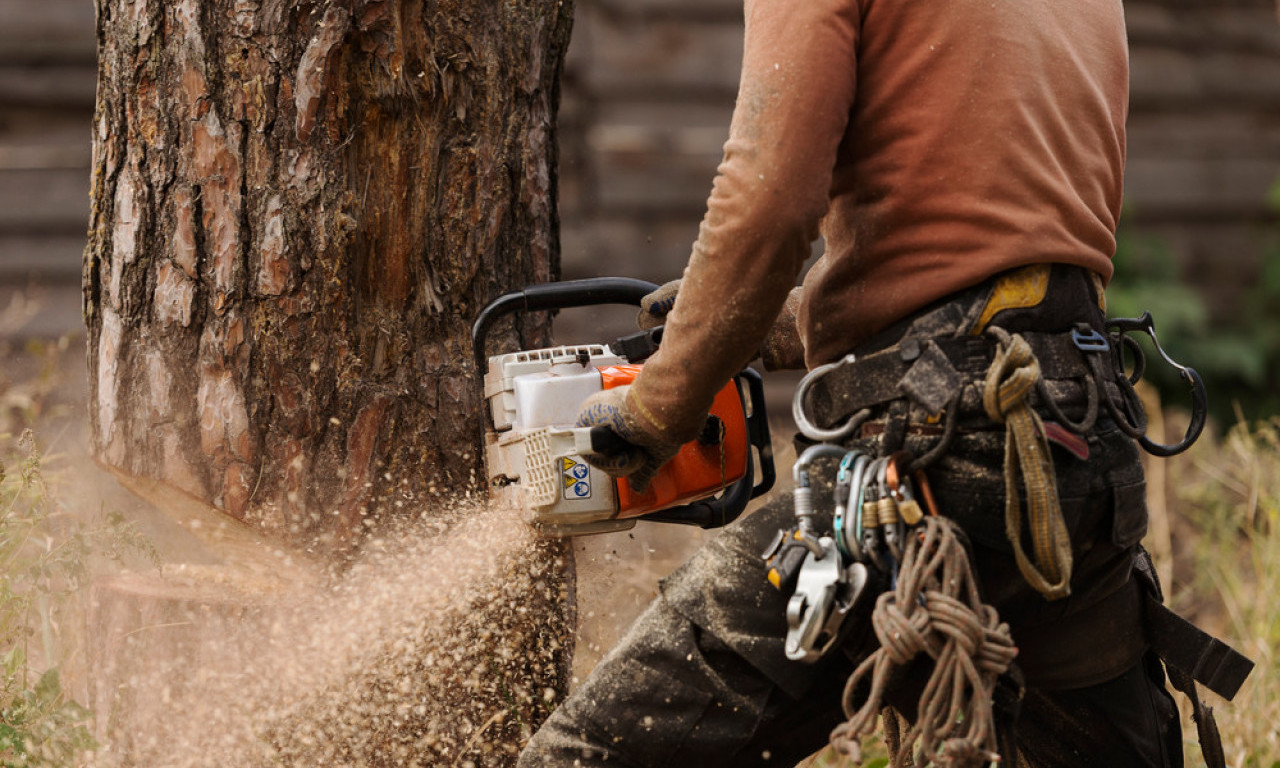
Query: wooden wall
[[47, 81], [648, 92]]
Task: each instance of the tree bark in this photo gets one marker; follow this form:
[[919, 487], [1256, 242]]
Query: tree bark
[[297, 208]]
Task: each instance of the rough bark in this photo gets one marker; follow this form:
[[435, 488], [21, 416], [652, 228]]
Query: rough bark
[[297, 208]]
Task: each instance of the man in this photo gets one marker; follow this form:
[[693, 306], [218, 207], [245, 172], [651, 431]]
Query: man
[[965, 160]]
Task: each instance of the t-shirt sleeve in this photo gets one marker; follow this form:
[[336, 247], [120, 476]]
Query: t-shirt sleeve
[[771, 190]]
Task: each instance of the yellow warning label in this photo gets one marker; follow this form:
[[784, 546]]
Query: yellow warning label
[[577, 478]]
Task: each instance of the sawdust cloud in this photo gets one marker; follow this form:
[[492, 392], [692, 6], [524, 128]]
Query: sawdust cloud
[[444, 645]]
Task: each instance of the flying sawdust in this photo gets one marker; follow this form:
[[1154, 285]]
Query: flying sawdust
[[445, 645]]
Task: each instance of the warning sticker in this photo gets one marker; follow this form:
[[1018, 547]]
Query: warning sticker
[[577, 478]]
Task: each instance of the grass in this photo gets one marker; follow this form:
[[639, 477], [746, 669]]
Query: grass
[[39, 724], [49, 551], [1226, 506]]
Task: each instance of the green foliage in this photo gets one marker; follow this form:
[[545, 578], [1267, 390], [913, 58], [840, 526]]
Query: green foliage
[[45, 561], [1237, 352]]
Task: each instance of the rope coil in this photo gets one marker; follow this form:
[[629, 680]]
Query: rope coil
[[934, 609]]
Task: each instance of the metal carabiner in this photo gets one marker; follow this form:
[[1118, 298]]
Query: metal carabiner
[[808, 428], [1199, 398]]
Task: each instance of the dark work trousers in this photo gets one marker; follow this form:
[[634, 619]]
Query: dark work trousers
[[701, 678]]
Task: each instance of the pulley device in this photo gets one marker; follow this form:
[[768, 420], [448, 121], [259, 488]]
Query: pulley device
[[535, 454]]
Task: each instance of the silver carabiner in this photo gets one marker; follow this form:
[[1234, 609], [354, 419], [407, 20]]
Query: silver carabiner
[[807, 427]]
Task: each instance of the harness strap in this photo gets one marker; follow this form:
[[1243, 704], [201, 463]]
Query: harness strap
[[876, 378], [1193, 652], [1190, 655], [1010, 379]]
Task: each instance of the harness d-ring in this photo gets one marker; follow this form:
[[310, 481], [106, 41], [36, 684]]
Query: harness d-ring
[[807, 427]]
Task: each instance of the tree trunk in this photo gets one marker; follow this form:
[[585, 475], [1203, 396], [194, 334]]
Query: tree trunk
[[297, 209]]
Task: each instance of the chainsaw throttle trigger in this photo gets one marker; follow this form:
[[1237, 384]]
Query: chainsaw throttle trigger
[[605, 441]]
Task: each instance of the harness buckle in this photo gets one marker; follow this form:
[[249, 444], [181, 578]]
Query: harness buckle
[[1088, 339]]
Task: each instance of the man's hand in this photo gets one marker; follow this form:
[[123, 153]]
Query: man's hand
[[643, 451], [782, 349], [655, 306]]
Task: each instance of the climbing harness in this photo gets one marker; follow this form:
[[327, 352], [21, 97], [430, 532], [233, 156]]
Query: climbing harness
[[891, 559]]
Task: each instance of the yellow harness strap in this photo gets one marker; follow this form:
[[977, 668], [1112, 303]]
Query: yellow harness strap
[[1020, 289]]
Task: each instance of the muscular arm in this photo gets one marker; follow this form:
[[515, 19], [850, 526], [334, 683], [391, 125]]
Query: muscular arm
[[771, 190]]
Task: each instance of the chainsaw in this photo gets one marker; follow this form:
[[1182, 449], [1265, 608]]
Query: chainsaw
[[535, 456]]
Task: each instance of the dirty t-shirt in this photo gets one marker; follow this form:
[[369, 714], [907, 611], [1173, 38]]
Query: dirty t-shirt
[[938, 142]]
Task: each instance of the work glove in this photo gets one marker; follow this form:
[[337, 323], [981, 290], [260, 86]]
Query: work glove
[[641, 451], [781, 350], [655, 306]]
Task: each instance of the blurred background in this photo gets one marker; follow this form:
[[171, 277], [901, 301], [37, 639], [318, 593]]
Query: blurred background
[[647, 94], [648, 91]]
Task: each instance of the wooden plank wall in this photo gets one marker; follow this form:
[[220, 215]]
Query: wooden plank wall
[[47, 81], [1204, 135], [648, 91]]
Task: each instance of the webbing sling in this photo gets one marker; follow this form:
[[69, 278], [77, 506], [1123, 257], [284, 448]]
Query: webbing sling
[[1010, 379]]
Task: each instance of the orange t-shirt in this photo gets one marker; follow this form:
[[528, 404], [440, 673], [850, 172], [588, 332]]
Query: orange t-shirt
[[938, 143], [982, 136]]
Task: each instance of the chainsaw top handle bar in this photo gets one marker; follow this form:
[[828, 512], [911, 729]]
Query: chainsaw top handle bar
[[589, 292]]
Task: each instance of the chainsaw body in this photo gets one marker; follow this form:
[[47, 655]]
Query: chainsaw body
[[535, 456]]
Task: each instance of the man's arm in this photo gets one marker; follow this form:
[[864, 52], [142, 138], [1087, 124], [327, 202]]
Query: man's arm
[[771, 190]]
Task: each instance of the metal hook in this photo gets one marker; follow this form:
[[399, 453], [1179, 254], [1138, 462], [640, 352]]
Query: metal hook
[[807, 427], [1199, 398]]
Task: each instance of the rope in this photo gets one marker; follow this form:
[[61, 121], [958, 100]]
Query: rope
[[934, 609], [1010, 379]]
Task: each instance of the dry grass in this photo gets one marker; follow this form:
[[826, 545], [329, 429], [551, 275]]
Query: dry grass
[[1225, 500]]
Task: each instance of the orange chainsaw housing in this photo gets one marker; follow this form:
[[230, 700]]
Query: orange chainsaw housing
[[697, 471]]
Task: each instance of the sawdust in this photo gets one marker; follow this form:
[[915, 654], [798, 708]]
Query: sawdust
[[444, 646]]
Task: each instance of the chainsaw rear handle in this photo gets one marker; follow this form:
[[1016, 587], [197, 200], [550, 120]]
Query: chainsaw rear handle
[[725, 508], [563, 295]]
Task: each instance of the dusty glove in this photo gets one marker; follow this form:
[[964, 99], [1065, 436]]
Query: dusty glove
[[655, 306], [782, 349], [643, 451]]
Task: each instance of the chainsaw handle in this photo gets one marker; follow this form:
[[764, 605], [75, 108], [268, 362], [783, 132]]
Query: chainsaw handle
[[605, 440], [563, 295], [725, 508]]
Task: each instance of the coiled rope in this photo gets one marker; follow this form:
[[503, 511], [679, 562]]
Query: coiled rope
[[935, 609]]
